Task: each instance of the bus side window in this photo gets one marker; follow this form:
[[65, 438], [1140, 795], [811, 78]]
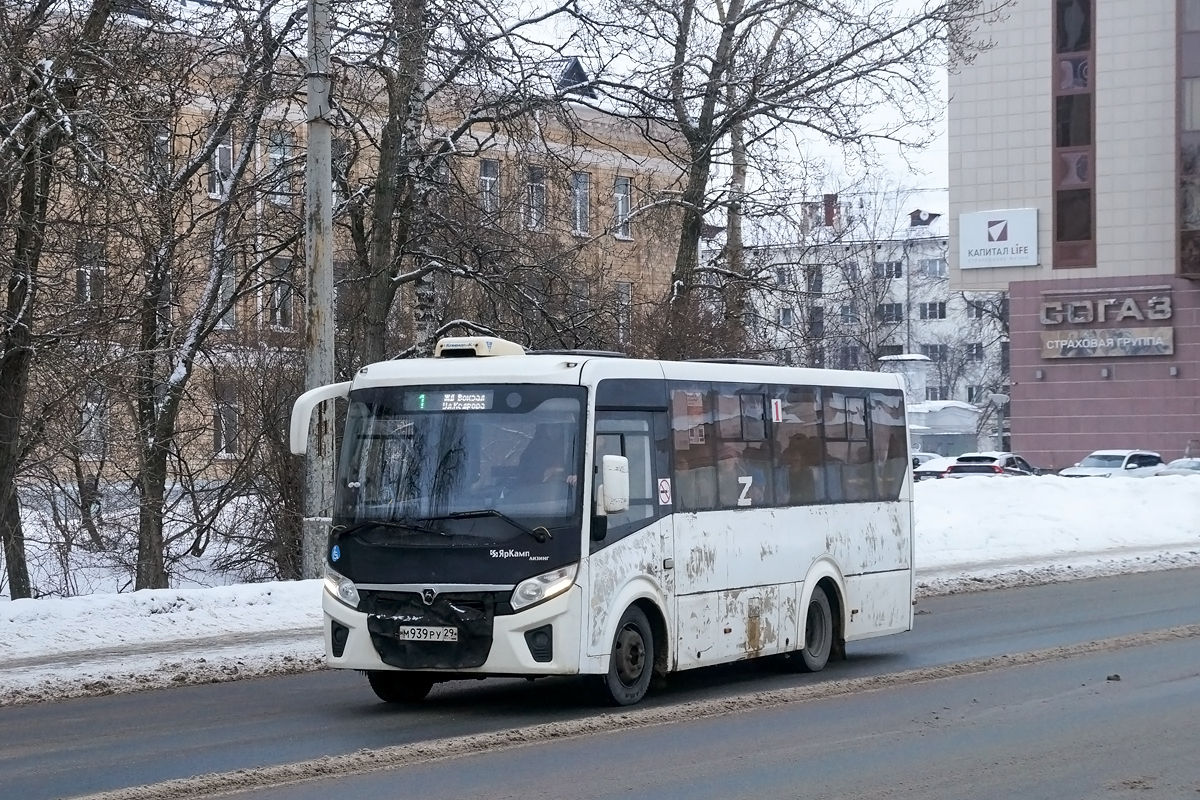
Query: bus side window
[[891, 445], [695, 442], [800, 463], [743, 455], [849, 467]]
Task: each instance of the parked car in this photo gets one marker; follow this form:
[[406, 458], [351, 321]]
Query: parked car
[[933, 468], [1106, 463], [990, 464], [920, 458], [1181, 466]]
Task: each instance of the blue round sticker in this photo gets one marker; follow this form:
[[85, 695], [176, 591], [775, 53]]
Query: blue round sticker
[[336, 553]]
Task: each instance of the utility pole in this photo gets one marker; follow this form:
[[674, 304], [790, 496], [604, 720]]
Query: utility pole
[[318, 328], [999, 400]]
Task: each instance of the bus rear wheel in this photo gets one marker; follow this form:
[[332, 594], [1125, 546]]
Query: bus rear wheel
[[399, 687], [631, 664], [818, 634]]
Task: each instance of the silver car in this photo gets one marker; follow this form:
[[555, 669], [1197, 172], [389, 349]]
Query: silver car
[[1181, 466], [1106, 463]]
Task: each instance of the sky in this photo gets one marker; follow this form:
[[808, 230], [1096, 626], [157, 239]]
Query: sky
[[971, 534]]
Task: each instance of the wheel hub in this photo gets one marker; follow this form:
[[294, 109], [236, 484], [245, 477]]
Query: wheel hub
[[631, 656]]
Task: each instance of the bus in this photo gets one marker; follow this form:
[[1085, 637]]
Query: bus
[[504, 513]]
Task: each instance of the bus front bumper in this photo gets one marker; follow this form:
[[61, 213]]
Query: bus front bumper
[[511, 651]]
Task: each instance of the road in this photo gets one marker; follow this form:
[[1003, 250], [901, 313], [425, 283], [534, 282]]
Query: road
[[84, 746]]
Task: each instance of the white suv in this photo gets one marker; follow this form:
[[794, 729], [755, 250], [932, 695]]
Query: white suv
[[1106, 463]]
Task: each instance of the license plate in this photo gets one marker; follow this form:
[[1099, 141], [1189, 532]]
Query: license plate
[[425, 633]]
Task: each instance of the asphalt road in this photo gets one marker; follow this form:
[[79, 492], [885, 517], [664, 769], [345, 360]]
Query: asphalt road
[[82, 746], [1053, 730]]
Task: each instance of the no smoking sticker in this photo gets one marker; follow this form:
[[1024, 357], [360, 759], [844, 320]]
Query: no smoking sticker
[[664, 491]]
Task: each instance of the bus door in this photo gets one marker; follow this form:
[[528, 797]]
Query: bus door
[[637, 544]]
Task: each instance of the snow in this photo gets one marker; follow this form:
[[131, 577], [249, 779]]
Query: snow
[[971, 534]]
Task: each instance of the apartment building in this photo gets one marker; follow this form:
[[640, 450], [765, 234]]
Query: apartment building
[[860, 290]]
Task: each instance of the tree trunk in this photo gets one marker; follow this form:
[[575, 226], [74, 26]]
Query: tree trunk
[[735, 254], [681, 336], [151, 570], [18, 355], [14, 547]]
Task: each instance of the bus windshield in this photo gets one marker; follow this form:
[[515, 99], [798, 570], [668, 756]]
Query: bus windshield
[[491, 462]]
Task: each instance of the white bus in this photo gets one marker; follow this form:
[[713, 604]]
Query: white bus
[[499, 513]]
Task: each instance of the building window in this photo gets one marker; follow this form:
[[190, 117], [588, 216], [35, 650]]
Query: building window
[[158, 152], [933, 267], [814, 279], [226, 305], [535, 199], [975, 394], [624, 310], [1188, 42], [818, 357], [975, 309], [1191, 15], [937, 392], [89, 274], [581, 203], [890, 312], [489, 185], [889, 269], [281, 289], [1004, 357], [1074, 135], [1073, 120], [783, 276], [891, 350], [816, 322], [848, 356], [623, 206], [279, 150], [932, 310], [848, 314], [975, 351], [1073, 215], [220, 171], [785, 317], [939, 353], [1072, 25], [93, 425], [225, 421]]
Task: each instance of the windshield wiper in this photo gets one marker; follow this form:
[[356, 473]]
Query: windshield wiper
[[540, 533], [410, 525]]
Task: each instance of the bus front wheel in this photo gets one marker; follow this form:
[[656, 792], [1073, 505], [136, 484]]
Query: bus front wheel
[[632, 662], [399, 687], [818, 633]]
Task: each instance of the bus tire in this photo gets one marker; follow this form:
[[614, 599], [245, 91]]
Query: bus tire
[[818, 633], [631, 665], [399, 687]]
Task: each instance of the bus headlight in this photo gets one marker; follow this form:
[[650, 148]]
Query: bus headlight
[[341, 587], [543, 587]]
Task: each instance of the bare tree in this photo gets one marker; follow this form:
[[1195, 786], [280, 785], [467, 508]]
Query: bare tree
[[53, 54], [744, 81]]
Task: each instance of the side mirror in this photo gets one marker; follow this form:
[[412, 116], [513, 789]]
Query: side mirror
[[302, 412], [1131, 466], [614, 476]]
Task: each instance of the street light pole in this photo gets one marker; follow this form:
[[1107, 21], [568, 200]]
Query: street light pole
[[318, 328], [999, 400]]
